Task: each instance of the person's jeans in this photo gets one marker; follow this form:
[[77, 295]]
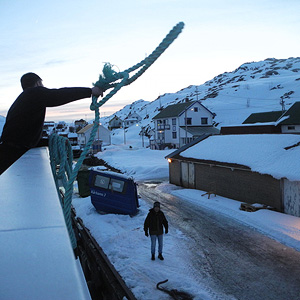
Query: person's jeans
[[153, 243]]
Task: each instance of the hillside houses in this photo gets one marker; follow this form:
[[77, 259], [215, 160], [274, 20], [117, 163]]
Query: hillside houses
[[131, 119], [255, 162], [179, 124]]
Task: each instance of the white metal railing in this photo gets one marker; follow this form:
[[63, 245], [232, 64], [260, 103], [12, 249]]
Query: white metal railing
[[37, 259]]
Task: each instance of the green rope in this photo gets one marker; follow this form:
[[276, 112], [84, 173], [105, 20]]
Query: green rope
[[61, 156]]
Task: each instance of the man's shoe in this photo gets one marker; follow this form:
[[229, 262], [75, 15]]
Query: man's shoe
[[160, 256], [153, 257]]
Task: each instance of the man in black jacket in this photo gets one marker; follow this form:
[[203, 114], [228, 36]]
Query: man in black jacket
[[154, 222], [25, 118]]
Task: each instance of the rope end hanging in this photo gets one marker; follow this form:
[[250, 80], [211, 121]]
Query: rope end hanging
[[108, 75]]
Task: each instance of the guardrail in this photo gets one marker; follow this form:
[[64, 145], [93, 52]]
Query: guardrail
[[103, 280]]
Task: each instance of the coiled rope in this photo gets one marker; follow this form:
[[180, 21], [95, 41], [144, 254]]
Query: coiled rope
[[61, 157]]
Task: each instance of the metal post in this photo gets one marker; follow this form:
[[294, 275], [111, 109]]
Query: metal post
[[124, 133]]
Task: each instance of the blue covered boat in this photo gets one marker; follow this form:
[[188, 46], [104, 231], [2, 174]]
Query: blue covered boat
[[113, 192]]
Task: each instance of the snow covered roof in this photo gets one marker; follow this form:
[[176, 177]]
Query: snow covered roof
[[90, 126], [85, 129], [262, 153]]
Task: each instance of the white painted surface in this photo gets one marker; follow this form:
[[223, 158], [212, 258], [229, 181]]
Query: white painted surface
[[291, 197], [37, 260]]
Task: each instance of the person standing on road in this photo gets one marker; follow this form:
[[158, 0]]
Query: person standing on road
[[154, 223], [25, 118]]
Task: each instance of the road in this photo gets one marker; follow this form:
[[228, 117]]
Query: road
[[237, 261]]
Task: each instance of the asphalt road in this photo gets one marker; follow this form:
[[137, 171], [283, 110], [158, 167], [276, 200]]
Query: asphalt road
[[237, 261]]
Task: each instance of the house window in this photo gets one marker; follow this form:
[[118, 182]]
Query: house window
[[204, 121], [174, 128], [160, 135], [195, 109], [174, 121], [174, 135], [291, 127], [188, 121]]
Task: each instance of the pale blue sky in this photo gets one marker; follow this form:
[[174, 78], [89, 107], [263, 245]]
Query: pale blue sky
[[67, 41]]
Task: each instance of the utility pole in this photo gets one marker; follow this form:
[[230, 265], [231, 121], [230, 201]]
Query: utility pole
[[282, 104], [143, 131], [124, 133], [197, 93]]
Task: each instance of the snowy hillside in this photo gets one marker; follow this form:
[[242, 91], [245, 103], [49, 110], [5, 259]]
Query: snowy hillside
[[233, 96]]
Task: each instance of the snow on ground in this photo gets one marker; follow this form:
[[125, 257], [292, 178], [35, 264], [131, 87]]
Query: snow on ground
[[122, 237]]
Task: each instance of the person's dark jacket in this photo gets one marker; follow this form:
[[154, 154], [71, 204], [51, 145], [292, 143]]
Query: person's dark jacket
[[25, 118], [154, 222]]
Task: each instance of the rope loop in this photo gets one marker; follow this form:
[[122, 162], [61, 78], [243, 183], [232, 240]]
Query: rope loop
[[61, 156], [109, 77]]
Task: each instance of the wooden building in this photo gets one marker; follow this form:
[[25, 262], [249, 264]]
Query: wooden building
[[249, 168]]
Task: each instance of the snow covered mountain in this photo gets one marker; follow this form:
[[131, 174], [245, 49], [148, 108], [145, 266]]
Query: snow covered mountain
[[267, 85]]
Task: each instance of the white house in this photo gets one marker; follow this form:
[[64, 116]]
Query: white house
[[103, 134], [179, 124], [131, 119]]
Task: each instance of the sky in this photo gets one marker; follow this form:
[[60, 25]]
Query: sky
[[67, 42]]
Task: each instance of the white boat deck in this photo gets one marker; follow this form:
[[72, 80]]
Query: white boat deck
[[36, 256]]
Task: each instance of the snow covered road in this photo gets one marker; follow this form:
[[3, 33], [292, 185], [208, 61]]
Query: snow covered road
[[234, 259]]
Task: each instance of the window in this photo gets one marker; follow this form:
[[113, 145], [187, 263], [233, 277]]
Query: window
[[111, 184], [174, 135], [195, 109], [174, 128], [188, 121], [117, 185], [160, 135], [101, 181], [174, 121], [291, 127], [204, 121]]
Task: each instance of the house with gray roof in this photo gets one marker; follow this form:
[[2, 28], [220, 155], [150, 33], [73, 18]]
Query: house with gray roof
[[179, 124], [115, 122]]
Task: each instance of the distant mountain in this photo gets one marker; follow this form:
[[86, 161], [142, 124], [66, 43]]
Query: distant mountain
[[269, 85]]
